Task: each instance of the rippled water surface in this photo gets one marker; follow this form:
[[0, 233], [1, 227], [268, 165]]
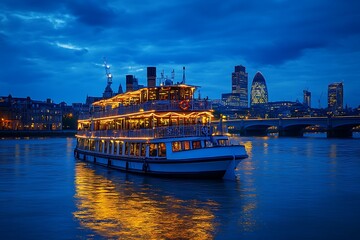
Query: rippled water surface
[[288, 188]]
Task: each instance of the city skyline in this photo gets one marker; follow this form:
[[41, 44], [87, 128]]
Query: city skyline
[[56, 49]]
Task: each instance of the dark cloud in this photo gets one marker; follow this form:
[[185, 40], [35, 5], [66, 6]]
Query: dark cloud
[[39, 38], [30, 5], [93, 13]]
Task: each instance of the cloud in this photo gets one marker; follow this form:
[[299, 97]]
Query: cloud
[[42, 39], [94, 13], [77, 50]]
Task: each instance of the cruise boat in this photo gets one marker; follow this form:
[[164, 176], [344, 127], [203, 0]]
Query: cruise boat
[[158, 130]]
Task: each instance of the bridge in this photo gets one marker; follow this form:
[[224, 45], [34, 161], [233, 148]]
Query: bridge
[[341, 126]]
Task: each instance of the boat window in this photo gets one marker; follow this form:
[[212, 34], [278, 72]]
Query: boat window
[[162, 150], [137, 149], [222, 142], [143, 150], [152, 94], [185, 145], [163, 94], [105, 147], [132, 149], [101, 146], [96, 145], [208, 144], [127, 148], [196, 144], [110, 146], [121, 148], [92, 145], [153, 150], [85, 144], [115, 147], [176, 146]]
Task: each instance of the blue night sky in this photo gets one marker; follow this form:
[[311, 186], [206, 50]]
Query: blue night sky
[[55, 49]]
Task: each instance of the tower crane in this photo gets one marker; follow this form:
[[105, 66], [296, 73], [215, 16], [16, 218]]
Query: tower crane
[[108, 73]]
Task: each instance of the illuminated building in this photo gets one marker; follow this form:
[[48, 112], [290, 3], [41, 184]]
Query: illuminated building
[[335, 97], [239, 89], [259, 92], [231, 99], [28, 114], [240, 85], [307, 98]]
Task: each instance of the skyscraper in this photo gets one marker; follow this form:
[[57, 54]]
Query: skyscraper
[[240, 85], [259, 92], [335, 96], [307, 98]]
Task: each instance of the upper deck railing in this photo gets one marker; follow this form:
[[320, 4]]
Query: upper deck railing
[[159, 105], [158, 132]]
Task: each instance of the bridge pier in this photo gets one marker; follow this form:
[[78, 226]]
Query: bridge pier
[[342, 133]]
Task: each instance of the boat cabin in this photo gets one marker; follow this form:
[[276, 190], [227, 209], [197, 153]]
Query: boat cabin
[[149, 109], [159, 149]]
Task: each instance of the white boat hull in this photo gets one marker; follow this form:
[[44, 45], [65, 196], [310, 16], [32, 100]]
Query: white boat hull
[[201, 166]]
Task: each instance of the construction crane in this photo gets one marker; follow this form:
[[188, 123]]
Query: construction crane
[[108, 93], [108, 73]]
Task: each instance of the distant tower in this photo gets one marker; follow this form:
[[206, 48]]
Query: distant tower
[[259, 92], [307, 98], [335, 96], [120, 90], [173, 75], [240, 85], [183, 80], [151, 76], [108, 93]]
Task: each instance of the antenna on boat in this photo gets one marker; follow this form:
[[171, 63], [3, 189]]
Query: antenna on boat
[[183, 80], [161, 79]]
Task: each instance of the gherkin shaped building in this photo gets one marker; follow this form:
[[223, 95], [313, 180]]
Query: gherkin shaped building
[[259, 92]]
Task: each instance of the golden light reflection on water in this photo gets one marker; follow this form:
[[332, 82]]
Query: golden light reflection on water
[[123, 210], [246, 170], [248, 147], [333, 151]]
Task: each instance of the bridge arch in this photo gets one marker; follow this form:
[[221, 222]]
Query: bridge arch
[[294, 130], [341, 130], [256, 130]]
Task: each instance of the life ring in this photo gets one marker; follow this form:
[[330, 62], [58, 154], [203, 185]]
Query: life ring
[[184, 105], [205, 130]]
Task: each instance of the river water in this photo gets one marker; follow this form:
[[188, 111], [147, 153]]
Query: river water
[[288, 188]]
